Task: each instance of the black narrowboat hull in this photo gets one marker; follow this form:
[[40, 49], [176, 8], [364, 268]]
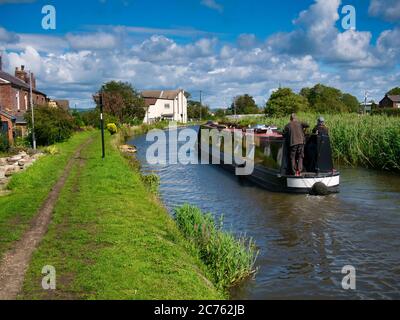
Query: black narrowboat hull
[[274, 181]]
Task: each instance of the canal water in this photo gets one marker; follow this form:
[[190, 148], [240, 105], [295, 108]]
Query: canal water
[[304, 241]]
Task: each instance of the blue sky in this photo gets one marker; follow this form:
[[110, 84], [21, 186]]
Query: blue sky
[[223, 47]]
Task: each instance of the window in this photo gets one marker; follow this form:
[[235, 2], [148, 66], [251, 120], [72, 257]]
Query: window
[[398, 106], [167, 106], [26, 101], [18, 102]]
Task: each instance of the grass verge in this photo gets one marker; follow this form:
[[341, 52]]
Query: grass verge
[[30, 188], [229, 260], [111, 239]]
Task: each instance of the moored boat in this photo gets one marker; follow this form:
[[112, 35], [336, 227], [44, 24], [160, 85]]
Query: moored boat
[[271, 161]]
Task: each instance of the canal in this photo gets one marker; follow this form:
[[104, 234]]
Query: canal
[[304, 241]]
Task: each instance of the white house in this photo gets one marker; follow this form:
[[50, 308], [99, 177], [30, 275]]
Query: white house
[[165, 105]]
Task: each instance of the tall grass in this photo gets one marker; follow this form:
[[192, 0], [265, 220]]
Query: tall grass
[[358, 140], [228, 260]]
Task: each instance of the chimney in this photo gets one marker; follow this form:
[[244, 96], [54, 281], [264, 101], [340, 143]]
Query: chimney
[[33, 80], [21, 74]]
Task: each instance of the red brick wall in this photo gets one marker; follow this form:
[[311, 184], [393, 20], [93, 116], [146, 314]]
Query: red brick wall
[[8, 100]]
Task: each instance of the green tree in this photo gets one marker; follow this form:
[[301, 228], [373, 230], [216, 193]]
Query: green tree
[[220, 113], [324, 99], [121, 100], [284, 102], [351, 102], [194, 110], [394, 92], [244, 105], [51, 125]]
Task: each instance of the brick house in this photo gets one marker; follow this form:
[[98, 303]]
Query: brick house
[[15, 97], [390, 101]]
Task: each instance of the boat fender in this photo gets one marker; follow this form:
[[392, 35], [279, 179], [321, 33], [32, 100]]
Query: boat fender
[[319, 189]]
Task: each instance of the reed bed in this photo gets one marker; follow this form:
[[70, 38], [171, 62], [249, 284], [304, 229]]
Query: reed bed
[[358, 140], [229, 260]]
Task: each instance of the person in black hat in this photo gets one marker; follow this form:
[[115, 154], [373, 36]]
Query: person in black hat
[[321, 129]]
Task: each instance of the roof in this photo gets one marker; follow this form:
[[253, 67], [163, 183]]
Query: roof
[[14, 80], [20, 120], [150, 101], [161, 94], [17, 82], [7, 115], [394, 98]]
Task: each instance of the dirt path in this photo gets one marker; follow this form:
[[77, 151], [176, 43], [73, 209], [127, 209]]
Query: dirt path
[[16, 261]]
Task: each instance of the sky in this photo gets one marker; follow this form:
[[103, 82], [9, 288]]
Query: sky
[[223, 48]]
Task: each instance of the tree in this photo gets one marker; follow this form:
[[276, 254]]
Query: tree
[[51, 125], [324, 99], [284, 102], [121, 100], [351, 102], [220, 113], [194, 110], [244, 105], [394, 92]]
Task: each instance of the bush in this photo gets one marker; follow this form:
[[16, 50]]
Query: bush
[[228, 260], [4, 143], [52, 125], [112, 128], [387, 111], [52, 150], [152, 182]]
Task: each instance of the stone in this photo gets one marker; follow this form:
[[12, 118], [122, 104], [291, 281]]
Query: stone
[[10, 170], [128, 149], [15, 158], [3, 161]]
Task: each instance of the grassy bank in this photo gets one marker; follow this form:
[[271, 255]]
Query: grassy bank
[[229, 260], [368, 141], [30, 188], [111, 239]]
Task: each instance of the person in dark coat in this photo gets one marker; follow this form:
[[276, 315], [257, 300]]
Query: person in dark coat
[[320, 128], [295, 140]]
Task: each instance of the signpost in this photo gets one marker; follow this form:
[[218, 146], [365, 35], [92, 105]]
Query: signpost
[[102, 126], [99, 99]]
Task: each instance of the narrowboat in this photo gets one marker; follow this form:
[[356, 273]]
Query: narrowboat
[[271, 161]]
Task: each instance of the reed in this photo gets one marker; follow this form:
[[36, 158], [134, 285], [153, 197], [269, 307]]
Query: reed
[[229, 260], [358, 140]]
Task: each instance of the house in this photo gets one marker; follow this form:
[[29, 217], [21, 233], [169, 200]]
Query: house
[[165, 105], [366, 108], [62, 104], [15, 96], [390, 101]]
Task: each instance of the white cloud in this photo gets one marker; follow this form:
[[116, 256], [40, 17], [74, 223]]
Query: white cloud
[[388, 9], [95, 41], [8, 37], [212, 4]]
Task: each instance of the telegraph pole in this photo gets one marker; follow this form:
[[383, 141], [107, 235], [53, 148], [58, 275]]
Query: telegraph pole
[[365, 101], [32, 112]]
